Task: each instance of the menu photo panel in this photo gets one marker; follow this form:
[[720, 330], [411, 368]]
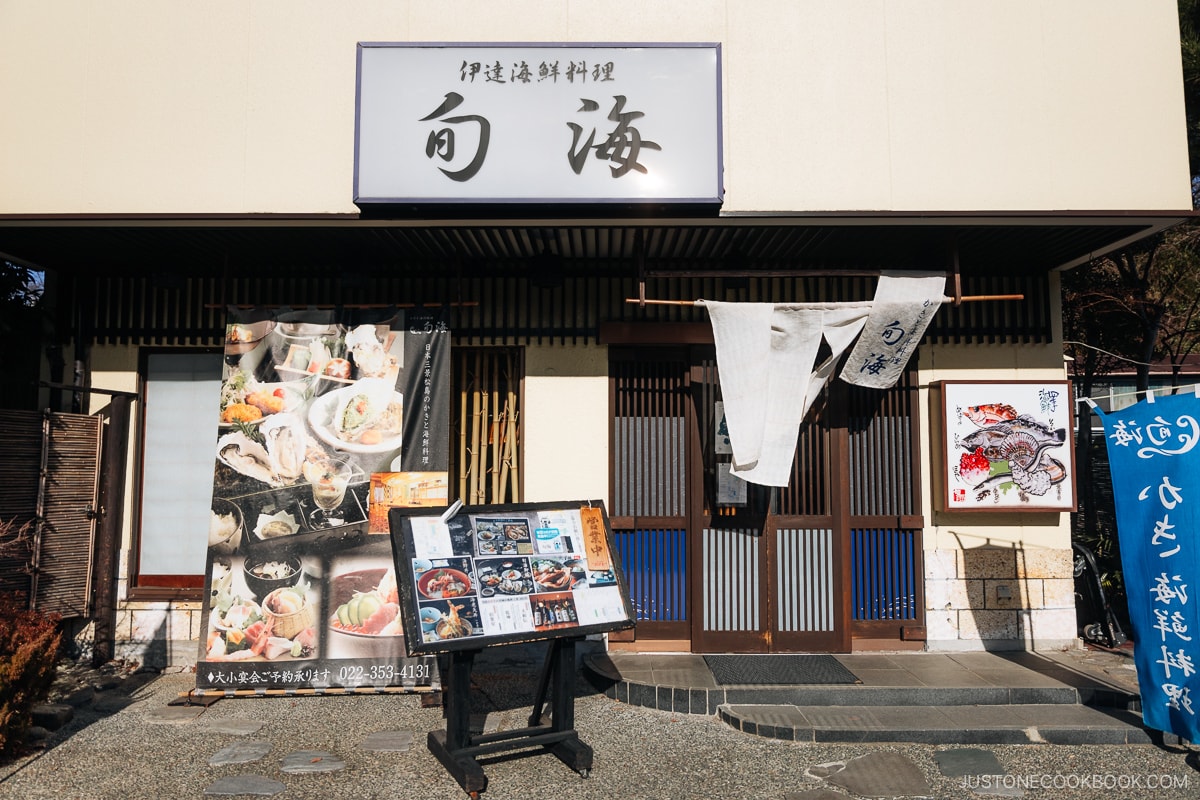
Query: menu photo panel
[[472, 576], [328, 418]]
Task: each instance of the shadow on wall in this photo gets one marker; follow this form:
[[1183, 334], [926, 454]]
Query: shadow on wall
[[154, 640], [150, 646], [1018, 599]]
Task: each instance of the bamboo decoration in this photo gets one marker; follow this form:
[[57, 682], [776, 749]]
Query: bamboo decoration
[[494, 428], [973, 298], [497, 441], [489, 430], [508, 465], [473, 493], [483, 481], [463, 386]]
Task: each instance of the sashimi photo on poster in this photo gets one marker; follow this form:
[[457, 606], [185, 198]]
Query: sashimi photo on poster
[[328, 418], [1007, 446]]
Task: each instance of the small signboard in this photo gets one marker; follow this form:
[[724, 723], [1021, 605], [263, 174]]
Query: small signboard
[[473, 576]]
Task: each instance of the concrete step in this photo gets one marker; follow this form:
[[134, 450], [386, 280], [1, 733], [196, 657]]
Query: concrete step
[[691, 699], [682, 683], [1027, 723]]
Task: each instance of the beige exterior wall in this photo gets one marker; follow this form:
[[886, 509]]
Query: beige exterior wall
[[993, 580], [225, 107], [135, 106], [566, 438]]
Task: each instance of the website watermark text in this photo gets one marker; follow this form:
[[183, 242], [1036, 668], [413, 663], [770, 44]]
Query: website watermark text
[[1076, 781]]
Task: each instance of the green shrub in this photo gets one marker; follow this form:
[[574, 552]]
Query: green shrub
[[29, 644]]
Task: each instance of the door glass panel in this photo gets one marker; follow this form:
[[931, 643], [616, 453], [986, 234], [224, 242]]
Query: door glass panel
[[881, 463], [885, 574], [731, 580], [652, 452], [182, 392], [804, 566], [649, 440], [649, 483]]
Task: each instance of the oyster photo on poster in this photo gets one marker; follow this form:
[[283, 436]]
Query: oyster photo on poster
[[315, 405]]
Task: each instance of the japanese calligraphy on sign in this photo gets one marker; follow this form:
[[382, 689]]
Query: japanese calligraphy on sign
[[1155, 467], [537, 123], [1006, 446]]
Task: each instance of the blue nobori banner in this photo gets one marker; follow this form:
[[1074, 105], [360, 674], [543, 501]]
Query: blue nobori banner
[[1154, 455]]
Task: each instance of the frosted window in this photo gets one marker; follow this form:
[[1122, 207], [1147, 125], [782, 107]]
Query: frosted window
[[182, 397]]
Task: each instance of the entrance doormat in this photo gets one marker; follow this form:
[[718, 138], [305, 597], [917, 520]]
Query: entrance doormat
[[781, 669]]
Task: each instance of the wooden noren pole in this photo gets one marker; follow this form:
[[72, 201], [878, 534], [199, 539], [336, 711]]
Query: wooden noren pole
[[974, 298]]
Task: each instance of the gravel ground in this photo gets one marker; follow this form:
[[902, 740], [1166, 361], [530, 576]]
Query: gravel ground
[[122, 746]]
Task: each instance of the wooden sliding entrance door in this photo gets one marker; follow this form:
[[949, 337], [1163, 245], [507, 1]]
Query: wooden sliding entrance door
[[737, 567]]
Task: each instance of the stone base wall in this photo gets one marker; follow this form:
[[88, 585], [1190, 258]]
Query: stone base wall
[[159, 635], [987, 598], [994, 598]]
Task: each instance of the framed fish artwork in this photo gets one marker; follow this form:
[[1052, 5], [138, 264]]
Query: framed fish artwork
[[1008, 446]]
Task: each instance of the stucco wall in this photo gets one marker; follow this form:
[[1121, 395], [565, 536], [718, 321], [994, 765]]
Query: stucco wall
[[991, 580], [135, 106], [225, 107], [995, 580], [565, 458], [566, 436]]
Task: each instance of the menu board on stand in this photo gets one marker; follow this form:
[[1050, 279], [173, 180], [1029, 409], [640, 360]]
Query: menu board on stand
[[473, 577], [328, 418], [476, 576]]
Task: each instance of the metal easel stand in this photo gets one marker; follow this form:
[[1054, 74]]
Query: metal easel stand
[[458, 749]]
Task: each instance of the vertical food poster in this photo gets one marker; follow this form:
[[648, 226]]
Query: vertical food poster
[[479, 575], [1007, 446], [327, 418]]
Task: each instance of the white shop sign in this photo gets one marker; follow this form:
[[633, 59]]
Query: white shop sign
[[537, 123]]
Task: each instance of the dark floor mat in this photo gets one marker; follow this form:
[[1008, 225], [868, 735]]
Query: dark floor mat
[[732, 670]]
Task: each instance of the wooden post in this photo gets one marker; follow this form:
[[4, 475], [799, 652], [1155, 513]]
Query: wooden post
[[108, 531]]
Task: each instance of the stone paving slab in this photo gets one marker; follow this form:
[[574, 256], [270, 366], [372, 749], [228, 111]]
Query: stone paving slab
[[240, 753], [968, 716], [173, 715], [389, 741], [881, 774], [125, 756], [245, 785], [312, 761], [681, 683], [1018, 724], [815, 794], [234, 727], [974, 763]]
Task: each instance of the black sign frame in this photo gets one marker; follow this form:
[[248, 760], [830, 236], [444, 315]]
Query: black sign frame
[[467, 564]]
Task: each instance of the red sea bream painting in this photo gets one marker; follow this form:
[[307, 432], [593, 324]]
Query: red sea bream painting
[[1007, 446]]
